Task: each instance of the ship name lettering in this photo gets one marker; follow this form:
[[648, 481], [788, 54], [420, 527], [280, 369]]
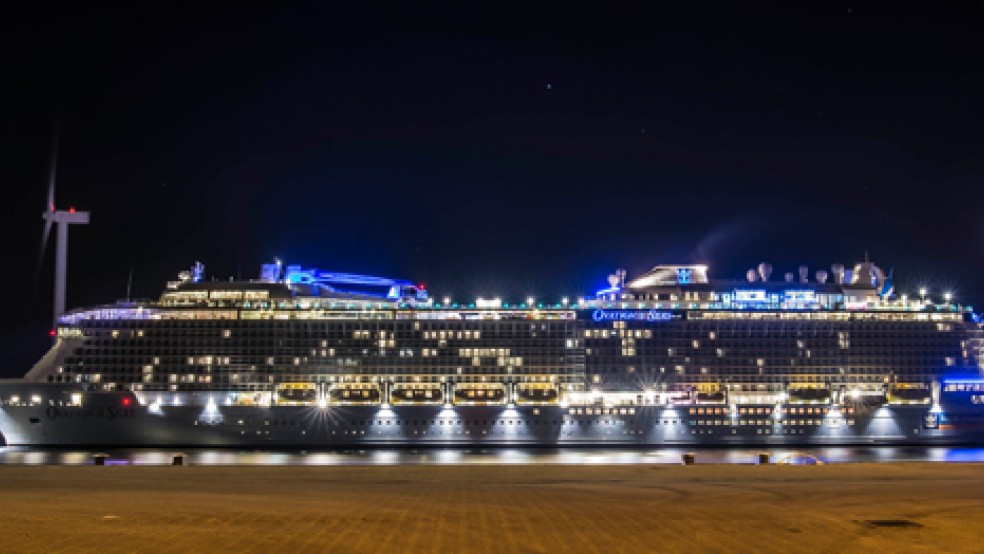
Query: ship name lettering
[[108, 414], [629, 315]]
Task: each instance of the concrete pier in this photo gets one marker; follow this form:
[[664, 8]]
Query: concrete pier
[[905, 507]]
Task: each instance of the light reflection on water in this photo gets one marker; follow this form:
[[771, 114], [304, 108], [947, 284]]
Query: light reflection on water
[[493, 456]]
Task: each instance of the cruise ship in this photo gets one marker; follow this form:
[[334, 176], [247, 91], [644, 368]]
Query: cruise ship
[[310, 358]]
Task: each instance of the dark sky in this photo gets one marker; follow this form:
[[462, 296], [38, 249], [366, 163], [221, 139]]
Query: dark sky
[[497, 149]]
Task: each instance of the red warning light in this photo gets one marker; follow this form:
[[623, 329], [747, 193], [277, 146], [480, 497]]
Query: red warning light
[[126, 400], [52, 333], [421, 286], [71, 209]]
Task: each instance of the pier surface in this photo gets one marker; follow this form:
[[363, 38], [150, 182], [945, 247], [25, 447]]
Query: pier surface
[[900, 507]]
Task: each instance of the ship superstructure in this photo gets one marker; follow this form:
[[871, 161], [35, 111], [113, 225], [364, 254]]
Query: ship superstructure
[[303, 356]]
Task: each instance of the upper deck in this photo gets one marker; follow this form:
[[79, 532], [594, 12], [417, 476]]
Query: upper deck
[[864, 293]]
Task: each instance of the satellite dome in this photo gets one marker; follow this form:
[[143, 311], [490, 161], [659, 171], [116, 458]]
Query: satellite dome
[[765, 270]]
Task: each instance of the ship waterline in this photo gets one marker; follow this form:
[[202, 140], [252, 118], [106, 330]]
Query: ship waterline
[[306, 357]]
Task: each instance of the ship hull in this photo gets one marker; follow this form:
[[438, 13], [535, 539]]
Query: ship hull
[[44, 418]]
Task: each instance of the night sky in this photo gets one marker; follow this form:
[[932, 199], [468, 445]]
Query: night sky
[[481, 150]]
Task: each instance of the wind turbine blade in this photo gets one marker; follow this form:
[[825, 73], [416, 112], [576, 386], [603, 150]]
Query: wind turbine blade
[[52, 172], [44, 237], [49, 206]]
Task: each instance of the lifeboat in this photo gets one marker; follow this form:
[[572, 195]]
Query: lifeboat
[[909, 393], [479, 394], [527, 394], [716, 397], [808, 394], [297, 393], [709, 393], [354, 394], [417, 395]]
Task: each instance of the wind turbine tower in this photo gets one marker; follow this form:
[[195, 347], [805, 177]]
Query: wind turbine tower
[[62, 218]]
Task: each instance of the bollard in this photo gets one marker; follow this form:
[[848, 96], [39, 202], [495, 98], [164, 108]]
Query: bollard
[[763, 458], [689, 459], [178, 460], [99, 459]]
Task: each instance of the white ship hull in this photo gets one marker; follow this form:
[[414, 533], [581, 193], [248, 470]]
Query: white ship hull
[[116, 419]]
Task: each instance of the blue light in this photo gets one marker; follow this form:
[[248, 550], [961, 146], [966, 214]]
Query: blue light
[[629, 315], [295, 274], [365, 285], [807, 296], [751, 296]]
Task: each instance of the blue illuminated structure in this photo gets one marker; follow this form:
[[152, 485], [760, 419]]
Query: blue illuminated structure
[[751, 296], [963, 381], [887, 287], [631, 315], [351, 283]]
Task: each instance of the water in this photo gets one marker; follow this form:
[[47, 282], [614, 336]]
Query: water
[[487, 456]]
